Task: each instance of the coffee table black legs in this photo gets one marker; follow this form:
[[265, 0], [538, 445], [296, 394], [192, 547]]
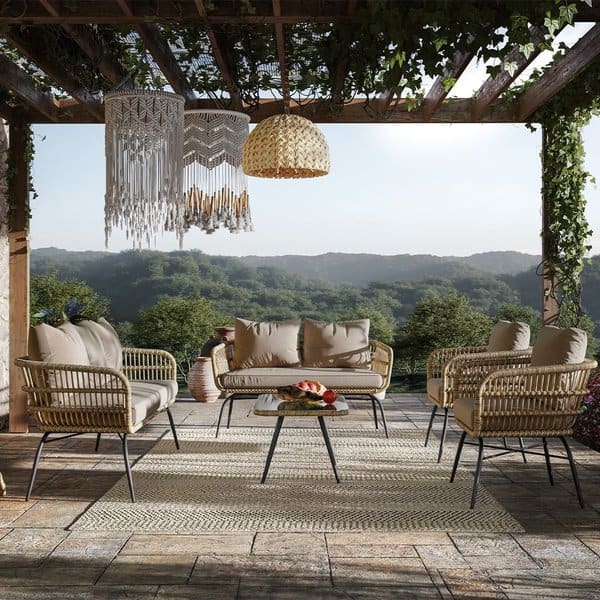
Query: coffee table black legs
[[275, 437], [272, 448], [328, 444]]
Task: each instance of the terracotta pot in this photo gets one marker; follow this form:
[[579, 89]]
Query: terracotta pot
[[201, 382], [222, 334]]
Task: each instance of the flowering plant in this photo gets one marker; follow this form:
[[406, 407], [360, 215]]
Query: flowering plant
[[587, 425]]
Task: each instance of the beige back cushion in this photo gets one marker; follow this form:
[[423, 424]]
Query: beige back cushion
[[93, 343], [270, 344], [61, 344], [556, 346], [509, 336], [336, 344], [111, 346]]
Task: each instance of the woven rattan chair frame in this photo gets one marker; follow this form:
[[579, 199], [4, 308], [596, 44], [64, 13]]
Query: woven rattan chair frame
[[523, 401], [446, 363], [382, 359], [76, 399]]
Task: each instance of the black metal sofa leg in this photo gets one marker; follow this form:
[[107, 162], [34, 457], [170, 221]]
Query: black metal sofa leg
[[127, 466], [573, 471], [443, 438], [477, 473], [457, 457], [374, 412], [431, 419], [228, 399], [378, 403], [98, 436], [172, 423], [548, 464], [36, 461]]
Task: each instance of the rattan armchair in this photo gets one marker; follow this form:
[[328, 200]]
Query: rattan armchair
[[518, 400], [76, 399]]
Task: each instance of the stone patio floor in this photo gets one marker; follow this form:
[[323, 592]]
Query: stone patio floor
[[558, 556]]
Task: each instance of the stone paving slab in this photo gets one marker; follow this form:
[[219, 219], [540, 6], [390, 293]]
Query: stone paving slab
[[152, 569], [212, 543]]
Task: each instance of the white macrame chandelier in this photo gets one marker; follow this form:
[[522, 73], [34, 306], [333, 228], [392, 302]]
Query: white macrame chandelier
[[215, 187], [144, 164]]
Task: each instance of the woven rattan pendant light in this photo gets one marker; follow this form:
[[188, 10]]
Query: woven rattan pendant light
[[286, 147], [215, 187], [144, 164]]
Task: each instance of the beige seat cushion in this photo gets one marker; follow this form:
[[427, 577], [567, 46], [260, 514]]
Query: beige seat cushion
[[463, 411], [268, 344], [336, 344], [111, 345], [509, 336], [333, 377], [147, 397], [434, 388], [61, 344], [556, 346]]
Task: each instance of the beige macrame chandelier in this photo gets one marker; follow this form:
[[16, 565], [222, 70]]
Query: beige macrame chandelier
[[215, 187], [144, 164], [287, 147]]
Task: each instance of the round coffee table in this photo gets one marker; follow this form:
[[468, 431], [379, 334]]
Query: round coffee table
[[269, 405]]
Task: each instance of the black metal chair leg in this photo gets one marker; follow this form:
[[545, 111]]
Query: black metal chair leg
[[378, 402], [477, 472], [505, 442], [127, 467], [374, 412], [323, 427], [229, 413], [36, 461], [457, 457], [228, 399], [172, 423], [573, 471], [97, 442], [548, 465], [272, 448], [443, 440], [522, 446], [430, 423]]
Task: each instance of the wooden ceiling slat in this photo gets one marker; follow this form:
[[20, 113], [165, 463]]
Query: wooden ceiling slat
[[54, 71], [18, 81], [437, 93], [219, 56], [159, 48], [493, 87], [565, 69], [281, 56], [341, 68], [83, 38]]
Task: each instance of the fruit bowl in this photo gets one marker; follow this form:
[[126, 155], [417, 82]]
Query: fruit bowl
[[303, 390]]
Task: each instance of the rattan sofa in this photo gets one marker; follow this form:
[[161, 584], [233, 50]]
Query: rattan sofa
[[371, 382], [72, 399]]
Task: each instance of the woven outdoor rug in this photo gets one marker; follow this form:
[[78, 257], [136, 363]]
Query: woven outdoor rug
[[214, 485]]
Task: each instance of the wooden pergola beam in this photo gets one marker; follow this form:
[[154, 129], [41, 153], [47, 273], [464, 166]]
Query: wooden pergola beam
[[159, 48], [565, 69], [18, 81], [60, 76], [341, 68], [437, 93], [491, 89], [219, 56], [281, 56], [110, 69]]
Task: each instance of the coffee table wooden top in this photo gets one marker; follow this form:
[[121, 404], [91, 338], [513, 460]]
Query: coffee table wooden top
[[270, 405]]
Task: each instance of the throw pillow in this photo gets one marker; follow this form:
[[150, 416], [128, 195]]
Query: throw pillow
[[92, 343], [113, 353], [61, 344], [509, 336], [268, 344], [556, 346], [337, 344]]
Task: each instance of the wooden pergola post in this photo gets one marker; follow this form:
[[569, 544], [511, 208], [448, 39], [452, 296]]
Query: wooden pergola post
[[18, 244], [549, 301]]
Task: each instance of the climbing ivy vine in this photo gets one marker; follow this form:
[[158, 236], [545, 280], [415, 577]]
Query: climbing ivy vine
[[12, 171]]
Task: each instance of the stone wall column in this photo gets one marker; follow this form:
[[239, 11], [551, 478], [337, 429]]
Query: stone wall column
[[3, 277]]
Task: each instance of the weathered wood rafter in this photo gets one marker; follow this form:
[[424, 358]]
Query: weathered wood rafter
[[566, 68], [157, 45], [493, 87], [54, 71], [219, 56], [281, 56]]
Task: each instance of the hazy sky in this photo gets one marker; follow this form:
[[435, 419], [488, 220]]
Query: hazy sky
[[438, 189]]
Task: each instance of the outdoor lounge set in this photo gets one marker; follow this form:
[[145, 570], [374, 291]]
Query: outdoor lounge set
[[80, 380]]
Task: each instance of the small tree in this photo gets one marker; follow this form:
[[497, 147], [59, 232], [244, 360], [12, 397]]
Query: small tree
[[440, 323], [178, 325], [381, 328], [51, 298]]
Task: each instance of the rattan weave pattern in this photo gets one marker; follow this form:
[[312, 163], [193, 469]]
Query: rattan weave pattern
[[214, 485]]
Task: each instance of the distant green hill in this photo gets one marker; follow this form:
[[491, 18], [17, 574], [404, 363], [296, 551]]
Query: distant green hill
[[360, 269]]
